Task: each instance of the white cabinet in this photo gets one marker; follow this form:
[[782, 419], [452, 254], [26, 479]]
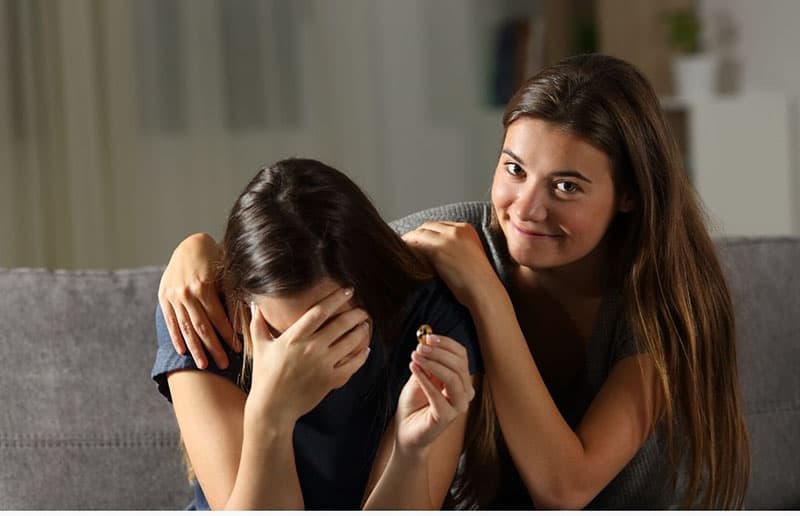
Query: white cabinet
[[740, 159]]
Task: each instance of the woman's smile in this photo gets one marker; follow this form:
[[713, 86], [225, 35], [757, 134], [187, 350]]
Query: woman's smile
[[534, 233], [549, 185]]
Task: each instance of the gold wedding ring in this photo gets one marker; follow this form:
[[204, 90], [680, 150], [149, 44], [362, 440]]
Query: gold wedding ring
[[422, 331]]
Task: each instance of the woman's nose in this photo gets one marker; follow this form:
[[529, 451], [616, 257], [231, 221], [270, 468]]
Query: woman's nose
[[531, 204]]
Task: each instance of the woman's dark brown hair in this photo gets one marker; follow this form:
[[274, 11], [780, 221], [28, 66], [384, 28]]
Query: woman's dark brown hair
[[299, 221], [677, 301]]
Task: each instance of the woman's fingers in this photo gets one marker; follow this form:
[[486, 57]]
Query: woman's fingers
[[173, 327], [318, 314], [339, 325], [450, 353], [442, 409], [434, 226], [422, 237], [258, 326], [440, 231], [189, 336], [343, 373], [205, 332], [432, 237], [451, 380], [458, 396], [189, 328], [218, 317], [350, 345]]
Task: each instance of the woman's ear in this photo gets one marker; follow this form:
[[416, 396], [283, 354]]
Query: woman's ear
[[627, 202]]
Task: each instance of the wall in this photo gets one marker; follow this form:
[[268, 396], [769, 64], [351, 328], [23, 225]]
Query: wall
[[765, 40], [93, 172], [760, 40], [123, 127]]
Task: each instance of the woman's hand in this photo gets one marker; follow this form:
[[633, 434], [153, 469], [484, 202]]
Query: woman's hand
[[439, 390], [318, 353], [191, 303], [455, 251]]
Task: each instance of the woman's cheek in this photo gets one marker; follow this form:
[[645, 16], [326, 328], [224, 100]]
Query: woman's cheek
[[502, 195]]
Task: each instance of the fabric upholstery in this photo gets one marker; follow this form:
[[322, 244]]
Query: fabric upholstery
[[765, 285], [83, 427]]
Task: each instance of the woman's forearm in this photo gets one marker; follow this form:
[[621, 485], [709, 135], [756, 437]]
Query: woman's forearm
[[548, 453], [404, 484], [267, 476]]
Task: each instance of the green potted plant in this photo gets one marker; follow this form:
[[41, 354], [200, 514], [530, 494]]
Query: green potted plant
[[693, 69]]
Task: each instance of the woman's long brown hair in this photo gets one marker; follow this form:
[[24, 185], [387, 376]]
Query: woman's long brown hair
[[676, 298], [298, 221]]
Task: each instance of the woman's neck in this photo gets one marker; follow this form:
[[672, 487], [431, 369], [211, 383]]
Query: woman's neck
[[580, 280], [564, 300]]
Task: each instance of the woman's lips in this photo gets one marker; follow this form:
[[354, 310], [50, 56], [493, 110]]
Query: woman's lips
[[533, 234]]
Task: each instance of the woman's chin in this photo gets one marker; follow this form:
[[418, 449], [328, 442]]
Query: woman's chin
[[532, 260]]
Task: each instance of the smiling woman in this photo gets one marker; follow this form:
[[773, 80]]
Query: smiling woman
[[615, 319], [554, 195]]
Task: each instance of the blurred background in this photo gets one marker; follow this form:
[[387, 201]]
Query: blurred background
[[127, 124]]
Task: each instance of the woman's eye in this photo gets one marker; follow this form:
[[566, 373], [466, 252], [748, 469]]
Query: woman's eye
[[513, 169], [567, 187]]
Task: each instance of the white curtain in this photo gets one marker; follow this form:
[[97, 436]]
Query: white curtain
[[127, 124]]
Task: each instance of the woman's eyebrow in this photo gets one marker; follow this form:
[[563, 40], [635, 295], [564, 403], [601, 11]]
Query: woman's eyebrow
[[513, 156], [560, 173], [571, 173]]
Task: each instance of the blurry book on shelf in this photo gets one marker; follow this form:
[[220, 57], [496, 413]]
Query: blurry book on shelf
[[519, 52]]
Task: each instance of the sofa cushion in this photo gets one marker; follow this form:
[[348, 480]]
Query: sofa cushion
[[765, 286], [83, 426]]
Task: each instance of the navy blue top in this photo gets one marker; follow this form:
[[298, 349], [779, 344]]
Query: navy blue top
[[336, 442]]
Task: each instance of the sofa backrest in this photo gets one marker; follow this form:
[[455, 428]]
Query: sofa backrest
[[83, 426], [765, 286]]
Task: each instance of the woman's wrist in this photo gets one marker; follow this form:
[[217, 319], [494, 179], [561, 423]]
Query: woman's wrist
[[269, 419], [266, 435], [409, 453], [410, 456], [484, 293]]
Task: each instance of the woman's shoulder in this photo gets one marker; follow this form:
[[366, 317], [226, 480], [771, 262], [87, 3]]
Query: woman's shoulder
[[167, 360], [476, 213], [432, 303]]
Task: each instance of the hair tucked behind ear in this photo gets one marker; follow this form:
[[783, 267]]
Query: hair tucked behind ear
[[677, 300]]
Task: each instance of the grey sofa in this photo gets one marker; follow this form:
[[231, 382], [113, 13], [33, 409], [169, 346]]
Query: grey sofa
[[83, 427]]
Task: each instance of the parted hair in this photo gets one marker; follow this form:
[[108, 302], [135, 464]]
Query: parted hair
[[298, 221]]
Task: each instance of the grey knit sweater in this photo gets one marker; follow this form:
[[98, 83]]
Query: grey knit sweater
[[645, 482]]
